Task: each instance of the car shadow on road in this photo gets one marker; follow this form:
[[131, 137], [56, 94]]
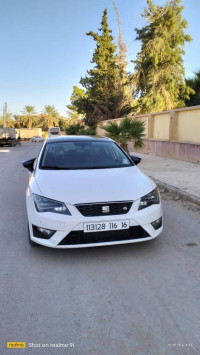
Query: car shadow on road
[[103, 253]]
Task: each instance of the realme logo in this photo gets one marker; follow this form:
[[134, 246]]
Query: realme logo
[[16, 344]]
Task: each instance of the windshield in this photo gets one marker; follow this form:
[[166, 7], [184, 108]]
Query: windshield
[[83, 155]]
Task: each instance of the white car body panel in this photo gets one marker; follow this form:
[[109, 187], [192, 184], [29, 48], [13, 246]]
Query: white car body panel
[[64, 224], [95, 185]]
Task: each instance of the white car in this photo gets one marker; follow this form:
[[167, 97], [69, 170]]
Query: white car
[[85, 191], [37, 139]]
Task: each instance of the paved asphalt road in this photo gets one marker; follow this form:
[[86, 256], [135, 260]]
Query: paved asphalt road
[[138, 299]]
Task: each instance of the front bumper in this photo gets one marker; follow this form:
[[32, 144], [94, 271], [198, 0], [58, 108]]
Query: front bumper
[[69, 229]]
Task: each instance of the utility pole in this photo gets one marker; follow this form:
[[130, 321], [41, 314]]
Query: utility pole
[[5, 114]]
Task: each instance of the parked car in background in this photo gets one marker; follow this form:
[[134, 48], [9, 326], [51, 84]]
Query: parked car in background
[[37, 139], [54, 131], [86, 191]]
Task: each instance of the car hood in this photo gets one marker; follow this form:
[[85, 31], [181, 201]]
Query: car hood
[[93, 185]]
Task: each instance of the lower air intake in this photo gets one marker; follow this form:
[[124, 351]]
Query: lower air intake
[[79, 237]]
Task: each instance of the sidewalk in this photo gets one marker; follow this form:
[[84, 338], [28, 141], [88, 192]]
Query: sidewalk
[[178, 176]]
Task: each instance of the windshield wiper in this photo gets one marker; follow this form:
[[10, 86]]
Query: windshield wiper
[[54, 168], [83, 167]]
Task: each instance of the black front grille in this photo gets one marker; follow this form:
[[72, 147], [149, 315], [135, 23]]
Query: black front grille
[[79, 237], [97, 209]]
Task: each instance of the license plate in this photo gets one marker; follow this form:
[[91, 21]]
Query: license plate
[[105, 226]]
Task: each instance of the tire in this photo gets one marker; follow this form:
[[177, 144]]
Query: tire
[[31, 243]]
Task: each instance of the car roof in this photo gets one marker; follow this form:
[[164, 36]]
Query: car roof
[[78, 139]]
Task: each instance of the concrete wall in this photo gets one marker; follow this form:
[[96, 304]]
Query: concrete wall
[[160, 129], [174, 134], [27, 133], [188, 125]]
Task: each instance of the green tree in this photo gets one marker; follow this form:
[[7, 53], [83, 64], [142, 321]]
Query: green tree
[[29, 118], [83, 106], [80, 129], [194, 83], [80, 106], [123, 100], [9, 120], [17, 121], [74, 129], [159, 71], [107, 87], [100, 81], [63, 123], [76, 98], [50, 116], [128, 130]]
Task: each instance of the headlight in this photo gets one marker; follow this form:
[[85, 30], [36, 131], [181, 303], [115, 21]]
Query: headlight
[[151, 198], [43, 204]]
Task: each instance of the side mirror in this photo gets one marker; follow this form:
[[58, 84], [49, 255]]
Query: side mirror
[[28, 164], [135, 159]]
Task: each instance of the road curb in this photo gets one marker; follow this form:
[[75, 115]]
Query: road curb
[[169, 188]]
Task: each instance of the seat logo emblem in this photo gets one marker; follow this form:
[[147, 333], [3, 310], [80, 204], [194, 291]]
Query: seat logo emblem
[[105, 209]]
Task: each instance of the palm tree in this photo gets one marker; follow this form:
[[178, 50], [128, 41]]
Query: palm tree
[[51, 116], [9, 121], [126, 131], [28, 118]]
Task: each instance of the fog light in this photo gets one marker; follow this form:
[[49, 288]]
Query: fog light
[[47, 232], [43, 233], [157, 224]]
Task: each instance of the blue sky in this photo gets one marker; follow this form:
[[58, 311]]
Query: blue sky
[[44, 49]]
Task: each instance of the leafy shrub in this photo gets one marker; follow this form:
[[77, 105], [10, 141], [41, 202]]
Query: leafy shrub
[[78, 129]]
